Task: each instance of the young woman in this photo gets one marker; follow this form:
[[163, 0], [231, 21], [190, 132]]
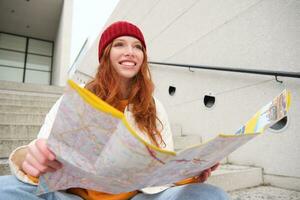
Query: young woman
[[124, 81]]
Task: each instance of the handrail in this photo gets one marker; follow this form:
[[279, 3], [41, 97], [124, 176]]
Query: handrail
[[78, 55], [238, 70], [85, 74]]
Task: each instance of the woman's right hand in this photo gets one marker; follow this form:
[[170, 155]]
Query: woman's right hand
[[39, 159]]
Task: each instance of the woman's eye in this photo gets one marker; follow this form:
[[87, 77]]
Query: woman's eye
[[118, 44], [138, 46]]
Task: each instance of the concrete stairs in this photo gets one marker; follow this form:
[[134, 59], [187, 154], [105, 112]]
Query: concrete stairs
[[22, 111], [24, 106]]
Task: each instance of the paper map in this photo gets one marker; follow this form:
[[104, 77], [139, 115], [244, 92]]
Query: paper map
[[100, 151]]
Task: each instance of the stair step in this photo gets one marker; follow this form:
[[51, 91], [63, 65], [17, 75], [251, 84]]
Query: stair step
[[20, 118], [16, 102], [14, 131], [4, 167], [27, 96], [263, 193], [233, 177], [24, 109], [8, 145], [30, 87]]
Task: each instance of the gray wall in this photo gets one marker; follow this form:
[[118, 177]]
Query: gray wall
[[62, 47]]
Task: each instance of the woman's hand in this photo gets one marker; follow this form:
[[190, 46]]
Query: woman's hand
[[205, 174], [39, 159]]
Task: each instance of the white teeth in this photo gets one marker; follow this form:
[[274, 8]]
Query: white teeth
[[128, 63]]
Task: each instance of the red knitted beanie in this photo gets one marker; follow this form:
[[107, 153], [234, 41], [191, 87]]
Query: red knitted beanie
[[117, 29]]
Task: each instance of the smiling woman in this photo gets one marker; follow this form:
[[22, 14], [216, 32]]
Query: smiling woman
[[126, 56], [124, 81]]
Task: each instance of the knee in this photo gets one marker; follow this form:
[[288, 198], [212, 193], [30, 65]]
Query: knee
[[11, 185], [7, 183]]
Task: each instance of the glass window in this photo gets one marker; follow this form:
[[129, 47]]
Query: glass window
[[38, 62], [12, 42], [40, 47], [32, 76], [13, 51], [11, 74], [10, 58]]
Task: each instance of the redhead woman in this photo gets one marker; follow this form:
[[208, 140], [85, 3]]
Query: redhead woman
[[124, 81]]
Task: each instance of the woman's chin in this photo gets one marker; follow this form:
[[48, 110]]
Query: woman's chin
[[128, 75]]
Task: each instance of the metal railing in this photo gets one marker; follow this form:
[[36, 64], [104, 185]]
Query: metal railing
[[72, 68], [238, 70]]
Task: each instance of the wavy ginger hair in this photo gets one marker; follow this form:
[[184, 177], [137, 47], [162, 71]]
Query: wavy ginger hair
[[106, 85]]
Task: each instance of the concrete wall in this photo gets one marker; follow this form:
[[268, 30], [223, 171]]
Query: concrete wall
[[61, 58], [253, 34]]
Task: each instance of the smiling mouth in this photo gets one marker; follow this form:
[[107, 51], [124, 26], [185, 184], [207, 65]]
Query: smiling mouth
[[127, 63]]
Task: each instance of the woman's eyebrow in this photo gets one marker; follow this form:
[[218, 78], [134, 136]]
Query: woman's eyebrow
[[137, 42], [119, 40], [122, 40]]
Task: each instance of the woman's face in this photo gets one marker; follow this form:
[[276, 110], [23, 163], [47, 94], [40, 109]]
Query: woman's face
[[126, 56]]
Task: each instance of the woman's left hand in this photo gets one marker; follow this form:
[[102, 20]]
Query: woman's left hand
[[205, 174]]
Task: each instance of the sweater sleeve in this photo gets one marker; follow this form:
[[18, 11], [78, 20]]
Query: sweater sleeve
[[49, 120], [166, 132], [17, 157]]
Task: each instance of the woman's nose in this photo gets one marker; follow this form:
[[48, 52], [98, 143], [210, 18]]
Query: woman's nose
[[129, 50]]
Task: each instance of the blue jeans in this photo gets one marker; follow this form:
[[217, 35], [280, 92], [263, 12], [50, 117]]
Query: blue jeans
[[13, 189], [196, 191]]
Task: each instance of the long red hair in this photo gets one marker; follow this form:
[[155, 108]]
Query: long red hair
[[106, 85]]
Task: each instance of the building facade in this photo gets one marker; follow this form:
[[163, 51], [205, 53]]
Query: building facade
[[249, 34]]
